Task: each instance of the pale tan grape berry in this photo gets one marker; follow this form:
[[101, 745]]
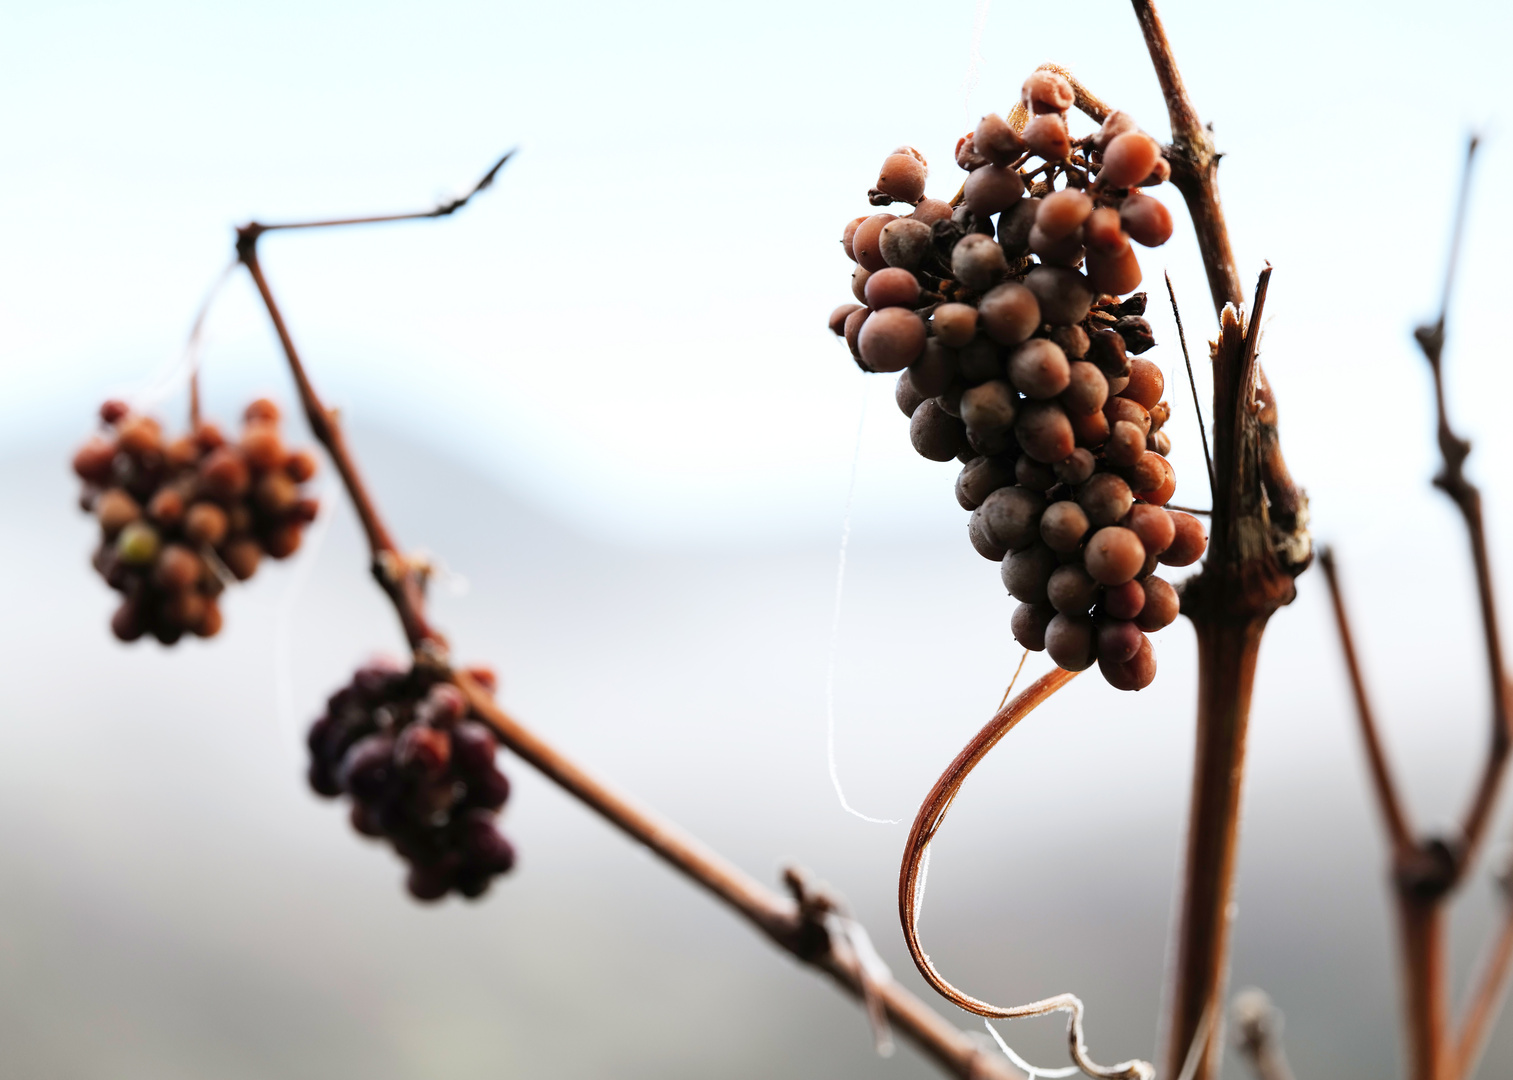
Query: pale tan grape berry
[[1118, 640], [893, 287], [1044, 432], [1113, 270], [955, 324], [1029, 623], [903, 177], [1161, 605], [1064, 296], [846, 236], [1072, 642], [988, 407], [979, 478], [1047, 92], [936, 434], [1152, 525], [1106, 498], [1114, 555], [1086, 390], [1147, 220], [1126, 444], [1039, 369], [1025, 573], [1189, 540], [1146, 384], [859, 278], [905, 242], [1034, 475], [935, 370], [838, 318], [1063, 525], [1114, 125], [1071, 589], [1011, 517], [1076, 467], [996, 140], [1072, 339], [1062, 212], [853, 329], [1123, 408], [1015, 225], [866, 241], [1134, 674], [1047, 136], [992, 188], [891, 339], [1128, 159], [929, 211], [1009, 313], [1103, 230], [906, 395], [1090, 430]]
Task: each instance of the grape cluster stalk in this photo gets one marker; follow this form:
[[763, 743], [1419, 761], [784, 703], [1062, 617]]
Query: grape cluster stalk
[[420, 771], [182, 518], [1011, 316]]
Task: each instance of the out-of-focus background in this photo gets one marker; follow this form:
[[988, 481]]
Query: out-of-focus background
[[604, 395]]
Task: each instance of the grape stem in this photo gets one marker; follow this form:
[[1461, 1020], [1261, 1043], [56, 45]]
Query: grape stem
[[1258, 1034], [1427, 871], [1258, 544], [927, 824], [791, 924]]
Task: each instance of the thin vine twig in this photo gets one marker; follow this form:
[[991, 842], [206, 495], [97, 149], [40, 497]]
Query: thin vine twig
[[1208, 458], [1428, 871], [782, 919], [927, 823]]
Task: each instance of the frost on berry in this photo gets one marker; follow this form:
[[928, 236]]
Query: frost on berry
[[1011, 316]]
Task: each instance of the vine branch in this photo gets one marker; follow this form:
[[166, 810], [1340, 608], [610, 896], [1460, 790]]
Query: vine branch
[[787, 922]]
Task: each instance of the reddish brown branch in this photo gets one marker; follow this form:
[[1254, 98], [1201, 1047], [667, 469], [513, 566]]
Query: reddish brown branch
[[403, 583], [1398, 828], [776, 916], [780, 918], [443, 209], [1248, 574], [1490, 988]]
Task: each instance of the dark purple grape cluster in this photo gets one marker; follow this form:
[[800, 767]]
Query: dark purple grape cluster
[[181, 518], [420, 772], [1005, 311]]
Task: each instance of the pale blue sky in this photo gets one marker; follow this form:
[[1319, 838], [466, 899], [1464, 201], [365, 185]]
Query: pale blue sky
[[629, 328]]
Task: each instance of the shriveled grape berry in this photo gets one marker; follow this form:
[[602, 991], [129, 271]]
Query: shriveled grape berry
[[1114, 555], [175, 515], [978, 262], [1028, 343], [421, 774], [1189, 540], [891, 339], [1028, 625]]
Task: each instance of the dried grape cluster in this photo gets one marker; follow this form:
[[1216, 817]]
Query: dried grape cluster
[[420, 772], [181, 519], [1002, 310]]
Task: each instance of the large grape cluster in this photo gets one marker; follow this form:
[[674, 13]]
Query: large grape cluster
[[420, 772], [181, 518], [1002, 310]]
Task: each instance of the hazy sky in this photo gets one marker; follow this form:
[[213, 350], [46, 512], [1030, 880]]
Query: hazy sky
[[627, 336], [631, 325]]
